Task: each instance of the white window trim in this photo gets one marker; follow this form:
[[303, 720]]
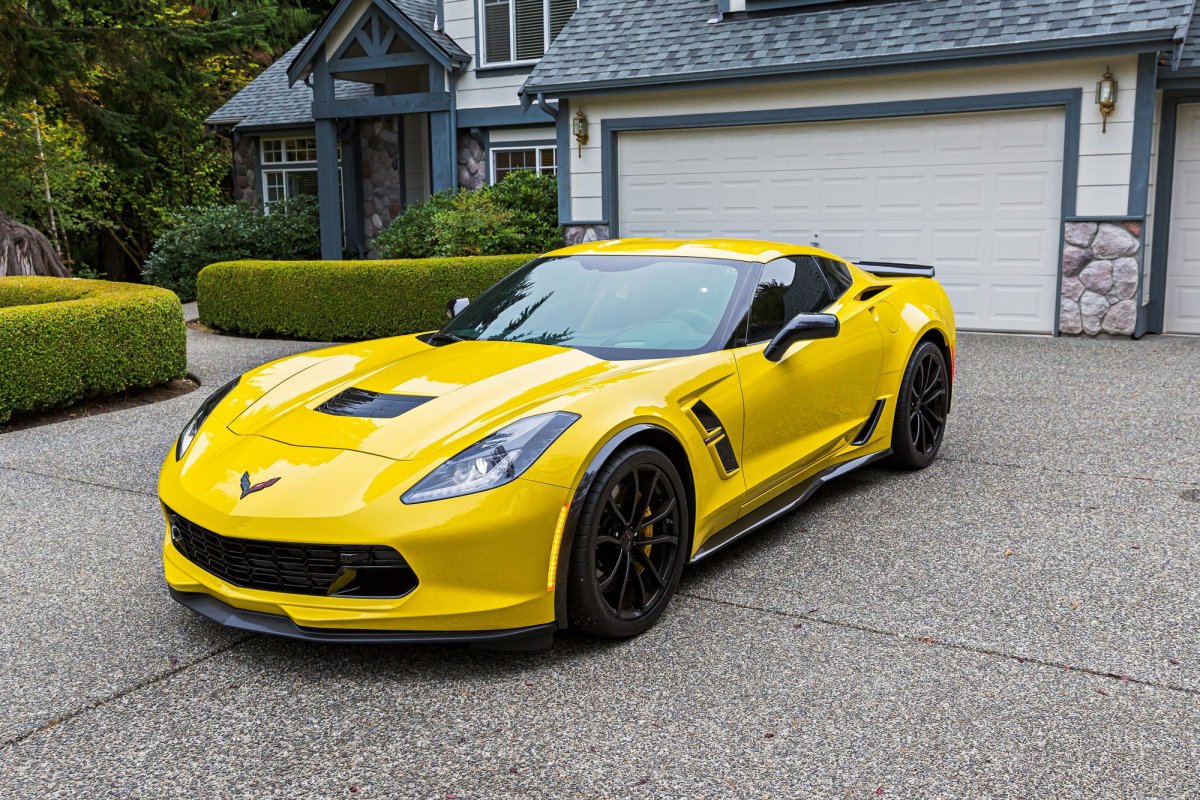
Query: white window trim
[[481, 28], [538, 148], [265, 167]]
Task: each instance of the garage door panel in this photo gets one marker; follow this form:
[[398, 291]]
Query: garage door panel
[[1181, 306], [978, 195]]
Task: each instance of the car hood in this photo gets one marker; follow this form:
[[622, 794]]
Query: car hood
[[473, 389]]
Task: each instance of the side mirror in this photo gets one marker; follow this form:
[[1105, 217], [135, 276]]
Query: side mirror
[[456, 306], [801, 328]]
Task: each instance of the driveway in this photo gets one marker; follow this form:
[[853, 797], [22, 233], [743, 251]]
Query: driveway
[[1021, 619]]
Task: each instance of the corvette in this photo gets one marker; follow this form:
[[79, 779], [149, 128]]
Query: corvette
[[556, 454]]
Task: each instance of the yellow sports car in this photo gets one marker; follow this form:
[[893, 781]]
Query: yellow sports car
[[556, 454]]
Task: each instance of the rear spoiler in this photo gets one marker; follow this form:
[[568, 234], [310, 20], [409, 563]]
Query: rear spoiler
[[889, 269]]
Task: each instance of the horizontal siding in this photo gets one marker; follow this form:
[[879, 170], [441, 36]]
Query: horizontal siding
[[1103, 186]]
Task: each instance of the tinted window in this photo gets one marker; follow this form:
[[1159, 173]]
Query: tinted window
[[838, 275], [788, 286], [612, 306]]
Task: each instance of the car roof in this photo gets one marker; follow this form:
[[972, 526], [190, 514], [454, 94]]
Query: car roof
[[733, 249]]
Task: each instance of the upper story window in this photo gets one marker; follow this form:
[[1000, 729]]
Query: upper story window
[[520, 31]]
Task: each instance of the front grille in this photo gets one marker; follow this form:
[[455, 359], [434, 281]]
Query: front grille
[[320, 569]]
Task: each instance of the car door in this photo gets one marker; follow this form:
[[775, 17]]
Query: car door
[[812, 401]]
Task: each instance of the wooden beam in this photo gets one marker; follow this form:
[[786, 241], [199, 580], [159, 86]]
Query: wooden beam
[[381, 105], [386, 61]]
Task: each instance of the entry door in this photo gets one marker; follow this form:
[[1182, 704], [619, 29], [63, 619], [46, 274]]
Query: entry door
[[1181, 310]]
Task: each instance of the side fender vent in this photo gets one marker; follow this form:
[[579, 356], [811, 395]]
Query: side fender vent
[[362, 403], [715, 438], [871, 291]]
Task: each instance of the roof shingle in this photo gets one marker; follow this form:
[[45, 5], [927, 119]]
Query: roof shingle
[[629, 42]]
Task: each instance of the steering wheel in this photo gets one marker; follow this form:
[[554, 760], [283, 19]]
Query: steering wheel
[[702, 322]]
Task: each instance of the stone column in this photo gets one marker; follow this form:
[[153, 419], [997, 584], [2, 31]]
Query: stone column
[[1100, 268], [472, 162]]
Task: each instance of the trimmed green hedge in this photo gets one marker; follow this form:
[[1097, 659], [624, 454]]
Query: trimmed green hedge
[[342, 300], [63, 339]]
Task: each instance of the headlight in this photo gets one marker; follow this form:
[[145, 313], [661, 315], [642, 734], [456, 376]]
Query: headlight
[[493, 461], [193, 427]]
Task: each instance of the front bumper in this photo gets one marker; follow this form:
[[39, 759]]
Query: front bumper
[[482, 561], [528, 638]]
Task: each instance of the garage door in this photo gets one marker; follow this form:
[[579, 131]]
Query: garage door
[[978, 195], [1181, 310]]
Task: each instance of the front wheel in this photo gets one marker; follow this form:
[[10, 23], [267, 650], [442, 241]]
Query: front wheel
[[630, 545], [921, 409]]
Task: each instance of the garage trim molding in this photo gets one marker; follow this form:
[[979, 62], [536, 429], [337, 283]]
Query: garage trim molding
[[1069, 99], [1152, 320]]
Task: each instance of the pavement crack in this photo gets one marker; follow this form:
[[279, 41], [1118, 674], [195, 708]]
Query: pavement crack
[[933, 641], [69, 479], [117, 695]]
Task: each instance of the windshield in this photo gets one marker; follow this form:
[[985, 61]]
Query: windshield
[[611, 306]]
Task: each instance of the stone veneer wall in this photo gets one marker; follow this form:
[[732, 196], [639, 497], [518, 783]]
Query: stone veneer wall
[[380, 140], [580, 233], [245, 169], [472, 162], [1100, 269]]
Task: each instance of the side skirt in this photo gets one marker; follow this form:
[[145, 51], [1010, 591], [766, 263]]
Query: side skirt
[[784, 503]]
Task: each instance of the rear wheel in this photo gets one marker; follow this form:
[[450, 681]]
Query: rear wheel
[[630, 545], [921, 409]]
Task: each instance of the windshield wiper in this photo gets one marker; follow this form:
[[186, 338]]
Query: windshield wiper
[[442, 336]]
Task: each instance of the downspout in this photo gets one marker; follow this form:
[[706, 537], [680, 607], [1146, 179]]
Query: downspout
[[551, 110]]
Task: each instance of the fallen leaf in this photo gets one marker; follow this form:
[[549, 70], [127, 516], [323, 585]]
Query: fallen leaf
[[353, 788], [1076, 605], [1101, 691], [1008, 552], [927, 640], [643, 781], [879, 791], [770, 735], [512, 770], [797, 626], [1174, 662]]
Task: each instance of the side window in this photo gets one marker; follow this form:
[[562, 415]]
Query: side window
[[838, 275], [788, 286]]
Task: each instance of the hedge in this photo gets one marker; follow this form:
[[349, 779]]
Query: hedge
[[63, 339], [342, 300]]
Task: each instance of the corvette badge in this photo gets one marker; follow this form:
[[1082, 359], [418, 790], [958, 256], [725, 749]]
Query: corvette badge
[[248, 488]]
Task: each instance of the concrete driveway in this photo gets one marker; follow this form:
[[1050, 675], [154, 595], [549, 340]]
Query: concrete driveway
[[1021, 619]]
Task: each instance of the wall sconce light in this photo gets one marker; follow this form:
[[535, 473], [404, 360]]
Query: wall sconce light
[[1106, 97], [579, 127]]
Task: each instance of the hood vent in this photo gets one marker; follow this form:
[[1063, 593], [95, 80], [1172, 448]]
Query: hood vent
[[362, 403]]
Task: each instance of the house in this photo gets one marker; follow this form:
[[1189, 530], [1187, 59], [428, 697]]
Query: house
[[1043, 154]]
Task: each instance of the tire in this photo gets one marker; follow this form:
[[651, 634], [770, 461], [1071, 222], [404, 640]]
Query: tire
[[622, 575], [921, 409]]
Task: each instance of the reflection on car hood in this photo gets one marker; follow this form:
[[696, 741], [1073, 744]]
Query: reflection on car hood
[[475, 388]]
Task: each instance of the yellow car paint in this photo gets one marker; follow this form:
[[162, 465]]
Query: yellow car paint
[[490, 560]]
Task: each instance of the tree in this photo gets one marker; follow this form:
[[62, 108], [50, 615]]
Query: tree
[[25, 251], [119, 91]]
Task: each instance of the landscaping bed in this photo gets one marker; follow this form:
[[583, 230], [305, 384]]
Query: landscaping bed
[[342, 300], [63, 340]]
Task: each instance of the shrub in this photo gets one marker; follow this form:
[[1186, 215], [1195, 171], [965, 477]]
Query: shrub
[[340, 300], [202, 236], [410, 235], [62, 340], [517, 215]]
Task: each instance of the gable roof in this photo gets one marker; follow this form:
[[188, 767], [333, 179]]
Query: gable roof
[[269, 101], [416, 17], [618, 43]]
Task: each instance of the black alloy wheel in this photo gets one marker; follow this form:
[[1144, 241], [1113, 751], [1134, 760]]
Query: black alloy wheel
[[921, 408], [630, 545]]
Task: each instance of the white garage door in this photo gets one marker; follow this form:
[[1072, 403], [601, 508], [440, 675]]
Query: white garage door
[[978, 195], [1181, 311]]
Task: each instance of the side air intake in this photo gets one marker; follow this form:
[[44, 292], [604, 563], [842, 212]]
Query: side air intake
[[716, 438], [362, 403]]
